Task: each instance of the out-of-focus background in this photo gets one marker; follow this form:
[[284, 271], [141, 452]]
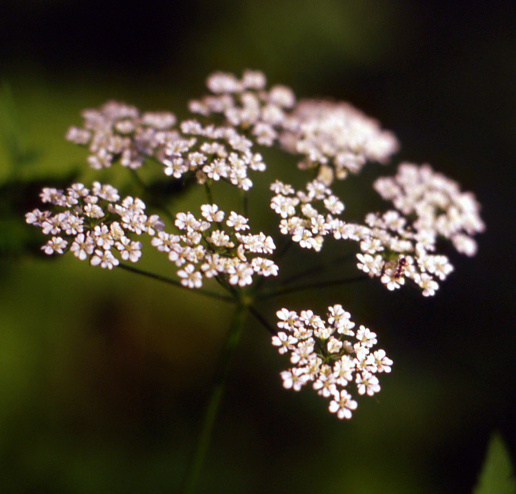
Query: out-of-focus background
[[103, 375]]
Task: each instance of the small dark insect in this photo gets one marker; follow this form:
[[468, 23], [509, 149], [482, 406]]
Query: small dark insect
[[400, 268]]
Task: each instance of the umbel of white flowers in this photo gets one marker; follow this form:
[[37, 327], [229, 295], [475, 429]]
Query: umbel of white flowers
[[218, 144]]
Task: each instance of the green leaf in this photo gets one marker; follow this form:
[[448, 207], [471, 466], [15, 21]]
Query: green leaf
[[496, 476]]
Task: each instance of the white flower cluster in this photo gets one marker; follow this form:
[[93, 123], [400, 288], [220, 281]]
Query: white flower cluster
[[245, 103], [216, 153], [401, 243], [117, 132], [93, 225], [206, 249], [398, 244], [436, 201], [333, 140], [325, 133], [300, 217], [392, 251], [330, 356], [329, 133]]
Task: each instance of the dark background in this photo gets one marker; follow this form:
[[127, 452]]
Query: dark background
[[103, 376]]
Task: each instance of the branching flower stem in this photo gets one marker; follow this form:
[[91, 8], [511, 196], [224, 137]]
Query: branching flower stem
[[243, 304], [262, 320], [145, 187], [276, 292], [170, 281], [315, 269]]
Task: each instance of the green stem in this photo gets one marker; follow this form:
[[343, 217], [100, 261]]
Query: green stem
[[275, 292], [245, 205], [195, 465], [316, 269], [145, 187], [262, 320], [284, 248], [170, 281], [207, 188]]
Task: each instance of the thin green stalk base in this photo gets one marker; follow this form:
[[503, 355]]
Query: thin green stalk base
[[203, 441]]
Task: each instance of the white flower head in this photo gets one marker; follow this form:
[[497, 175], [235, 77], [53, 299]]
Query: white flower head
[[326, 353]]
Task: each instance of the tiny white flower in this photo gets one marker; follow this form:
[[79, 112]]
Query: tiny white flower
[[241, 275], [82, 246], [366, 337], [237, 222], [284, 206], [288, 319], [264, 267], [212, 265], [334, 345], [428, 284], [211, 213], [36, 217], [284, 342], [129, 250], [342, 404], [186, 221], [104, 258], [302, 352], [294, 378], [390, 279], [219, 238], [325, 382], [190, 277], [343, 370], [367, 383], [379, 362], [55, 245]]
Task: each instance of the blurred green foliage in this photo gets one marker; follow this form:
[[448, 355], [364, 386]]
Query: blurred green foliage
[[497, 475]]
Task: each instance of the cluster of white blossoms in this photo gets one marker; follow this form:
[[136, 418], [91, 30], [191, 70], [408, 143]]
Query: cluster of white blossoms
[[401, 244], [300, 216], [336, 135], [118, 133], [330, 355], [323, 132], [207, 249], [436, 202], [398, 244], [331, 140], [246, 104], [94, 224], [216, 153]]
